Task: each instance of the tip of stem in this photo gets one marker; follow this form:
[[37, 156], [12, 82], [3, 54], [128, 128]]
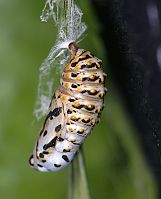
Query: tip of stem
[[73, 49]]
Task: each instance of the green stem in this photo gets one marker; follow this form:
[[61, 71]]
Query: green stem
[[78, 184], [68, 5]]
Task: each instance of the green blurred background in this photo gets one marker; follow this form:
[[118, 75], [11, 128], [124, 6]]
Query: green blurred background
[[115, 163]]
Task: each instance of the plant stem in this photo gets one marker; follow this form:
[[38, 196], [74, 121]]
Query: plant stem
[[78, 185], [68, 5]]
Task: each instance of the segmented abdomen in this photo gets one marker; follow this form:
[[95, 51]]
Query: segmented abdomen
[[73, 112]]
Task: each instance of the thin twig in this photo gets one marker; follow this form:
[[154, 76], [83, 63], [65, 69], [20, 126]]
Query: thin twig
[[78, 184]]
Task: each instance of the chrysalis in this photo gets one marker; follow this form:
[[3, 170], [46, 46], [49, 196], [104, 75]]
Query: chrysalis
[[73, 112]]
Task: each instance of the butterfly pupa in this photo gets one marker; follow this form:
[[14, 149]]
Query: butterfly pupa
[[74, 110]]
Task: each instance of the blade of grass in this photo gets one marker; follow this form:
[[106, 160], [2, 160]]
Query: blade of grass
[[78, 184]]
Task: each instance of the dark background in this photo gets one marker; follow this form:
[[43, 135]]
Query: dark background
[[131, 31]]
